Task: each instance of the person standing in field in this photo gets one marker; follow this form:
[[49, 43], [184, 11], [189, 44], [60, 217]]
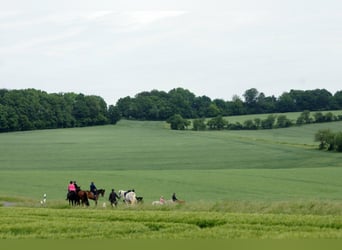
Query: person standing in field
[[113, 198]]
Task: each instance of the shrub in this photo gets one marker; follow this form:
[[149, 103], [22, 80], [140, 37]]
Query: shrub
[[177, 122], [199, 124], [323, 136]]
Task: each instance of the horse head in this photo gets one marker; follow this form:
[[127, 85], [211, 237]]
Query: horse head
[[121, 193], [101, 192]]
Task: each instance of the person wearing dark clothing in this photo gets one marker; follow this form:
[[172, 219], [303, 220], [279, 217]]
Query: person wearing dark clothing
[[78, 188], [113, 198], [93, 188], [174, 198]]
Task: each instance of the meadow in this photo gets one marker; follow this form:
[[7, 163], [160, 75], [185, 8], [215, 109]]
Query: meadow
[[237, 184], [108, 224]]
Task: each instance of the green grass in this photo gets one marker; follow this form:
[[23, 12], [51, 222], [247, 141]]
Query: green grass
[[291, 115], [237, 184], [48, 223], [278, 164], [149, 145], [193, 186]]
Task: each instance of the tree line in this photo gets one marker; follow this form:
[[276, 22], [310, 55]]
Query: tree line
[[161, 105], [328, 140], [31, 109], [177, 122]]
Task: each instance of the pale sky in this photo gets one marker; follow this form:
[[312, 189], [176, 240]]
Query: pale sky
[[219, 49]]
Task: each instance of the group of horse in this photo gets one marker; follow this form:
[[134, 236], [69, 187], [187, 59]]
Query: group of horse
[[81, 197]]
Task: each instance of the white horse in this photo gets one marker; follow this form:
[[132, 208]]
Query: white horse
[[155, 203], [129, 198], [166, 202]]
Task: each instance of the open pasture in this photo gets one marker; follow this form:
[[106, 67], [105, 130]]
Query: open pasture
[[290, 115], [234, 176], [193, 186], [152, 146], [278, 164]]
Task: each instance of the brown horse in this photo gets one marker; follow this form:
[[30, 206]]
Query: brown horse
[[83, 197], [95, 197]]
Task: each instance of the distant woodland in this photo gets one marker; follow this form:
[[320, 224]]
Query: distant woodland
[[30, 109]]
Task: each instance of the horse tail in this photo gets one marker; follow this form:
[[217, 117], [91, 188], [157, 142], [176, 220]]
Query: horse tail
[[85, 199], [135, 198]]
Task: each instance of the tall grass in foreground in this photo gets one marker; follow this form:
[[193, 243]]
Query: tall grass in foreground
[[49, 223], [304, 207]]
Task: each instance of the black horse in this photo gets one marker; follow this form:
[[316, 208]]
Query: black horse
[[73, 198]]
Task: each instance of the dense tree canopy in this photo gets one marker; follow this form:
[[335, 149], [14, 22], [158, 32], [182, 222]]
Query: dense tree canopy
[[160, 105], [34, 109]]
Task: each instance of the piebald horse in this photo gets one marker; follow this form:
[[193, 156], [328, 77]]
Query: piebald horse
[[129, 198]]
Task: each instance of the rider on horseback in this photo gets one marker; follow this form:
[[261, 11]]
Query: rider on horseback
[[161, 200], [93, 188], [174, 198], [77, 188], [71, 189]]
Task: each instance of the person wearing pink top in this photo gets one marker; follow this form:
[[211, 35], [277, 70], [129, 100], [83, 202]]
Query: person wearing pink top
[[71, 190], [71, 187]]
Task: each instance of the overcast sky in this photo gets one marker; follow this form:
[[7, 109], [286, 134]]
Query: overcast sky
[[212, 48]]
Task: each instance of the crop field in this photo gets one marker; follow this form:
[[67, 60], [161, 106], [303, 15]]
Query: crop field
[[236, 184], [173, 224], [291, 115]]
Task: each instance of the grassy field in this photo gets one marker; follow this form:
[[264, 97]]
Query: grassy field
[[291, 115], [108, 224], [149, 145], [235, 176]]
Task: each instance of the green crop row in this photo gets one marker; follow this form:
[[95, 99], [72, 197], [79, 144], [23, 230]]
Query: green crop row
[[47, 223]]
